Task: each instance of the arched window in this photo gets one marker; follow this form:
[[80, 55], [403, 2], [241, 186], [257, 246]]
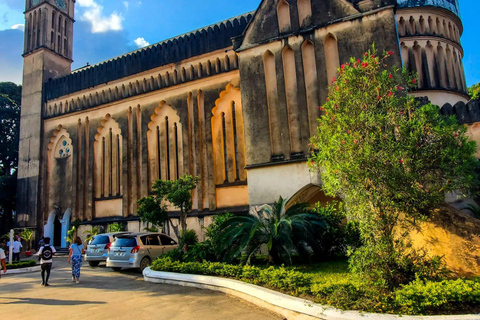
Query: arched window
[[272, 102], [283, 14], [291, 92], [304, 12], [108, 159], [331, 57], [228, 137], [165, 144], [311, 84]]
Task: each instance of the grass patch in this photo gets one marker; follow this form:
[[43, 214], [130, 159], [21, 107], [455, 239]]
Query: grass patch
[[330, 283]]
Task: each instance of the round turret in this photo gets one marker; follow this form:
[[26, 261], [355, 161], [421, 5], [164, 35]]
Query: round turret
[[429, 32]]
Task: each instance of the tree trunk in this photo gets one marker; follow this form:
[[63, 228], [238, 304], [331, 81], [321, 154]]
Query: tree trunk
[[175, 229]]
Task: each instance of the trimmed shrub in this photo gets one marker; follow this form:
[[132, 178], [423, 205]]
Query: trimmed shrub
[[22, 264]]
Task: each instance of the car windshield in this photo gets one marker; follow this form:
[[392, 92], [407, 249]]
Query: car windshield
[[125, 242], [100, 240]]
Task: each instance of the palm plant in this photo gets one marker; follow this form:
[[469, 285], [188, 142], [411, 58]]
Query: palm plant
[[27, 235], [284, 232], [91, 234], [115, 227]]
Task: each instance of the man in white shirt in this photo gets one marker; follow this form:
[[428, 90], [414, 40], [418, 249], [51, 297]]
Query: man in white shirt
[[2, 261], [17, 247], [46, 254]]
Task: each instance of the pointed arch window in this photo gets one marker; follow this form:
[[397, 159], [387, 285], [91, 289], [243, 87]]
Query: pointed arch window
[[331, 56], [228, 138], [283, 14], [165, 144], [108, 159]]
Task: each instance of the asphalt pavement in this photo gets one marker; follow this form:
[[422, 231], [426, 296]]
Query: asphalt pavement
[[105, 294]]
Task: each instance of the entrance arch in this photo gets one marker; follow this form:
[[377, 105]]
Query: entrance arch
[[56, 228], [311, 193]]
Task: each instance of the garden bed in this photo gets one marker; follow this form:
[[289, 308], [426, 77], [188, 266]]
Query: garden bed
[[331, 284], [21, 265]]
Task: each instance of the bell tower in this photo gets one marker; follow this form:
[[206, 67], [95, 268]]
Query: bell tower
[[47, 55]]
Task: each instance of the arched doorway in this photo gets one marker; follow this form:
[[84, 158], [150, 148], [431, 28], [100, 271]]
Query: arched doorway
[[57, 232], [311, 194], [56, 228]]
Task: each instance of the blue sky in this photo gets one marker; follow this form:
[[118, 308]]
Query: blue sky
[[106, 28]]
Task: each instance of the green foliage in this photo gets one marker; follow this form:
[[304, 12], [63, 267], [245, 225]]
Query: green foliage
[[474, 91], [72, 232], [27, 235], [391, 160], [150, 229], [330, 284], [278, 278], [21, 264], [429, 297], [202, 251], [188, 238], [115, 227], [10, 98], [153, 209], [284, 232], [340, 235], [91, 233]]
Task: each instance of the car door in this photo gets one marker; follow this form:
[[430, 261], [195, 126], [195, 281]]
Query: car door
[[154, 245], [168, 244]]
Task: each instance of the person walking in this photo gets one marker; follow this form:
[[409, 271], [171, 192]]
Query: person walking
[[75, 258], [46, 254], [2, 262]]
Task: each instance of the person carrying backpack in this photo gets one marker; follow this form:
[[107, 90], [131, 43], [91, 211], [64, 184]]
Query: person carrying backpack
[[46, 254]]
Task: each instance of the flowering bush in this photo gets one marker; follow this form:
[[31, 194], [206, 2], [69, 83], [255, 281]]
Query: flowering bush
[[389, 158]]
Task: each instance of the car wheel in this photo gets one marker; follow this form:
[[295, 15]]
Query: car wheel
[[94, 263], [116, 269], [144, 263]]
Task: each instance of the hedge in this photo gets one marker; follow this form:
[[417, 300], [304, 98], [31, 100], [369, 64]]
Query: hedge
[[417, 298], [22, 264]]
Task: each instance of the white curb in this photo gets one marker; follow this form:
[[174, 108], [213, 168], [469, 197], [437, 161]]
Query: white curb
[[22, 270], [285, 305]]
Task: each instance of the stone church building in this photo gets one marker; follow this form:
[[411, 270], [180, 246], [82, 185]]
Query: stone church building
[[234, 103]]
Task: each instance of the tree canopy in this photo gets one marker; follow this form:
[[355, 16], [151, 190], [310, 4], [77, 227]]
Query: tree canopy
[[10, 99]]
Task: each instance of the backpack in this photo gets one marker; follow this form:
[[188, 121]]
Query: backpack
[[47, 253]]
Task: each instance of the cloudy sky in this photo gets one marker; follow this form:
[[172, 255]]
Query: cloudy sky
[[106, 28]]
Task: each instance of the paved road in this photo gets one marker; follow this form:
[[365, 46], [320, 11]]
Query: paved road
[[104, 294]]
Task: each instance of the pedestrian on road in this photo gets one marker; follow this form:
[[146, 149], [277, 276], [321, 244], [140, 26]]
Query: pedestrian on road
[[75, 258], [2, 261], [46, 254]]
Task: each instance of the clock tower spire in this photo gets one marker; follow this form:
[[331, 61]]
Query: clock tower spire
[[47, 55]]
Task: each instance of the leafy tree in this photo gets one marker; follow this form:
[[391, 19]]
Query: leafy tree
[[154, 210], [474, 91], [390, 159], [72, 232], [10, 99], [285, 232]]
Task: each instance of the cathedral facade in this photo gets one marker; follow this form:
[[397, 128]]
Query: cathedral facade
[[233, 103]]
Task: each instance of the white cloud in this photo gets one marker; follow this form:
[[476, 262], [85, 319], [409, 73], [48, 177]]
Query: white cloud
[[19, 26], [141, 42], [126, 5], [95, 16]]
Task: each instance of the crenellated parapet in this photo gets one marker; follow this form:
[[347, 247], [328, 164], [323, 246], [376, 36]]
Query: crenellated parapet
[[466, 113], [172, 51], [429, 33]]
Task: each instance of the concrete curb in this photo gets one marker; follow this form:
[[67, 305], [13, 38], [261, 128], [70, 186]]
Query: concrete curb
[[285, 305], [23, 270]]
